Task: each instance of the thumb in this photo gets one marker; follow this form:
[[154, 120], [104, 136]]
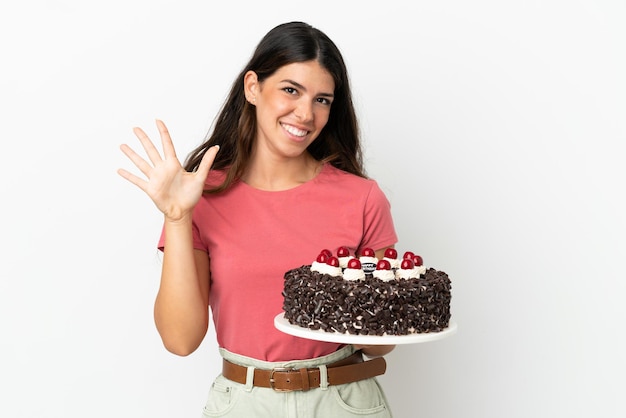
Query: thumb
[[207, 161]]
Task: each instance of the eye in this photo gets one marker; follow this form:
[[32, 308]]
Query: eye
[[290, 90], [324, 101]]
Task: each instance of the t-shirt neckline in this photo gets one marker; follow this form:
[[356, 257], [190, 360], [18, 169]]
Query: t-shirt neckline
[[292, 189]]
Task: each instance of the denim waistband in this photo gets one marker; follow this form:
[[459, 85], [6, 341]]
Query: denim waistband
[[340, 354]]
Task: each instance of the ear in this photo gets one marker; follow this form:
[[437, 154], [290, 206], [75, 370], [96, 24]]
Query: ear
[[251, 86]]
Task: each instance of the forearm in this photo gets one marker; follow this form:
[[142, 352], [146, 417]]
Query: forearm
[[181, 306]]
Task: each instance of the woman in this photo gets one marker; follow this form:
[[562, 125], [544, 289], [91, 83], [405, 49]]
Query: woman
[[279, 178]]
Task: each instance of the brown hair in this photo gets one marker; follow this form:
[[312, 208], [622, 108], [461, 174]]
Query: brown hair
[[235, 126]]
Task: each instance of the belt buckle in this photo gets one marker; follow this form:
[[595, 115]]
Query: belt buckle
[[272, 381]]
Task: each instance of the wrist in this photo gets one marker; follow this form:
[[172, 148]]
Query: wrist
[[184, 219]]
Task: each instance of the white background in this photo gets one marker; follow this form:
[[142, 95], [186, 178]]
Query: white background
[[495, 128]]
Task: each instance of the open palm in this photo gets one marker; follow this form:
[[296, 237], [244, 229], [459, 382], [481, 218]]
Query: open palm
[[172, 189]]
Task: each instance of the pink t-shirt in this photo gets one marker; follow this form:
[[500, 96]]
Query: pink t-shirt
[[253, 237]]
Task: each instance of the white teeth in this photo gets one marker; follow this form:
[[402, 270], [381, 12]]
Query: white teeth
[[294, 131]]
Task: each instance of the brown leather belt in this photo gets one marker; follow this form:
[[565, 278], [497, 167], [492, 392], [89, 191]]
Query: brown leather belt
[[350, 369]]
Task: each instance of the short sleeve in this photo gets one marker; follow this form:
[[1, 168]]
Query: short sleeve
[[379, 231], [197, 240]]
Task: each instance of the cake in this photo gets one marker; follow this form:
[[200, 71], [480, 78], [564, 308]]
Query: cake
[[366, 296]]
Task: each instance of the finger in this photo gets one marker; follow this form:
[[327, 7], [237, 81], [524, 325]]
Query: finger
[[148, 146], [139, 162], [166, 140], [141, 183], [207, 162]]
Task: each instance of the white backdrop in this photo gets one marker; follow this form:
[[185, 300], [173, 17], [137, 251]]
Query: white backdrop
[[496, 129]]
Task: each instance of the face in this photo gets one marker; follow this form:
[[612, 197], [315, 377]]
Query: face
[[292, 107]]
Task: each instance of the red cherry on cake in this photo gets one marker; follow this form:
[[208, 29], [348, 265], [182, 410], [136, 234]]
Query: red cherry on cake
[[407, 264], [383, 265], [391, 253], [408, 254], [354, 263], [327, 252], [368, 252], [343, 252], [417, 260], [322, 258], [332, 261]]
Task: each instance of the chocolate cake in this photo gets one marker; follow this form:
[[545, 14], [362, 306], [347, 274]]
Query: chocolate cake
[[400, 300]]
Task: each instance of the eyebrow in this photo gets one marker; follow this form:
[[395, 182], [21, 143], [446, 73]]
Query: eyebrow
[[301, 87]]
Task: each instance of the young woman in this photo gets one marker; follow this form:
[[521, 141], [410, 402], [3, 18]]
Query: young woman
[[279, 178]]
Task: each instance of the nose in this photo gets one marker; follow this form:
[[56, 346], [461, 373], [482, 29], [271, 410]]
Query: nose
[[304, 110]]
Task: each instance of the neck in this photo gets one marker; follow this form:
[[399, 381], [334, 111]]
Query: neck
[[280, 174]]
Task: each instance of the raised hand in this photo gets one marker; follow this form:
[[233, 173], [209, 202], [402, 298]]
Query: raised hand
[[172, 189]]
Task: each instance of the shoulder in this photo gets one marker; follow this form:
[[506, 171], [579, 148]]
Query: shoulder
[[332, 174], [334, 178]]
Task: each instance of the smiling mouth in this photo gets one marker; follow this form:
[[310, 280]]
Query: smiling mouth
[[294, 131]]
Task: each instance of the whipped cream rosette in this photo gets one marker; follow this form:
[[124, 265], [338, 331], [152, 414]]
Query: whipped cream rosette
[[343, 255], [353, 271], [391, 255], [419, 264], [407, 270], [383, 271], [326, 265]]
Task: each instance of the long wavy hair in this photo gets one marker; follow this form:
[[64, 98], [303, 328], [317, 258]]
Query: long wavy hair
[[235, 125]]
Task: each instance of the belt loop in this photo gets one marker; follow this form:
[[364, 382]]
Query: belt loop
[[304, 375], [323, 377], [249, 379]]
